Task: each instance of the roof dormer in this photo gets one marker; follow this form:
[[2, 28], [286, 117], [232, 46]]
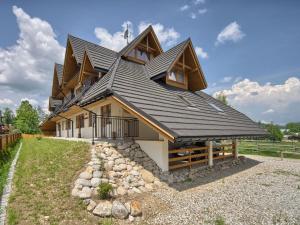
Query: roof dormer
[[143, 48], [178, 67]]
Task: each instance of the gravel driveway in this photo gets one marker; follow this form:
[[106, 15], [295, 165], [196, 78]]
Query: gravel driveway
[[263, 190]]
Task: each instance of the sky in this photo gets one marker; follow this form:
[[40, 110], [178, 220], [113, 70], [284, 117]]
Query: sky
[[248, 50]]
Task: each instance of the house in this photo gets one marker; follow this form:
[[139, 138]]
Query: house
[[151, 96]]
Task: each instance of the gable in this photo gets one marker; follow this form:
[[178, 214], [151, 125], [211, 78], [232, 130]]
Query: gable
[[70, 64], [87, 69], [143, 48]]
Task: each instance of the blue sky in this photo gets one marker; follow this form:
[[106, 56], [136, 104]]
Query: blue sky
[[254, 60]]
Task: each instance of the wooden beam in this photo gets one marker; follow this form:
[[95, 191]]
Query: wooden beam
[[90, 74]]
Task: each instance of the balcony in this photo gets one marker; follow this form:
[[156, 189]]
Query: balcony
[[116, 127]]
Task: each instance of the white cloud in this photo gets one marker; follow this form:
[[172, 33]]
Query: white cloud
[[226, 79], [197, 2], [28, 64], [114, 41], [184, 7], [6, 101], [201, 53], [32, 101], [26, 68], [166, 36], [268, 111], [202, 11], [259, 101], [193, 15], [231, 32]]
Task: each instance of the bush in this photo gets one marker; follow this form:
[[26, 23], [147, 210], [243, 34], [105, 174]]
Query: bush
[[104, 190], [39, 138]]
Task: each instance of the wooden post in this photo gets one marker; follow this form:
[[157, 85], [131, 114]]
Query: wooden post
[[235, 148], [210, 153], [0, 142]]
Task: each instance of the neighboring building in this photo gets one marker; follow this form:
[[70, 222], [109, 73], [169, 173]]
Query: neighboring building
[[147, 94]]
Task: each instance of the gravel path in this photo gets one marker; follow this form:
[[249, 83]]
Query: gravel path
[[265, 190]]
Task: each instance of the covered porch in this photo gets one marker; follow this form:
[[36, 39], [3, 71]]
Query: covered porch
[[202, 153]]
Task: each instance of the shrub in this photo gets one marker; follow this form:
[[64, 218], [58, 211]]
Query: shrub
[[39, 138], [104, 190]]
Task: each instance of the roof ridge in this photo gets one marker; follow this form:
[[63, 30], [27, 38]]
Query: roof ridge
[[70, 35], [112, 77]]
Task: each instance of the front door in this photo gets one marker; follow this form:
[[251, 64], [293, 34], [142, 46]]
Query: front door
[[106, 128]]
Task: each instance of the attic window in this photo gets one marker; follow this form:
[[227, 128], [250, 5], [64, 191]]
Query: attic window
[[215, 107], [177, 76], [186, 102]]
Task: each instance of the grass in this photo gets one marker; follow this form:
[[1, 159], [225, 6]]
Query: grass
[[269, 149], [43, 181], [219, 221], [6, 158]]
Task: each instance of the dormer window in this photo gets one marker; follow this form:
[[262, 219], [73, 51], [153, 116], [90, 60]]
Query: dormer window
[[177, 76], [139, 54]]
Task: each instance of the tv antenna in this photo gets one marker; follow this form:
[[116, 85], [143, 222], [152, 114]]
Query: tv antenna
[[126, 34]]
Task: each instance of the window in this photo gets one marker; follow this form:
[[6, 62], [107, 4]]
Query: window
[[215, 107], [139, 54], [68, 125], [172, 76], [80, 121], [142, 55], [177, 76], [189, 104]]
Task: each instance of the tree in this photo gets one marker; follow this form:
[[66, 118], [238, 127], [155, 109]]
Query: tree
[[8, 116], [27, 119], [274, 132], [293, 127], [222, 97], [41, 113]]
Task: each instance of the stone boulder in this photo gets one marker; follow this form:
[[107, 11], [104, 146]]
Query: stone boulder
[[91, 206], [86, 192], [119, 211], [147, 176], [95, 182], [85, 175], [135, 208], [103, 209]]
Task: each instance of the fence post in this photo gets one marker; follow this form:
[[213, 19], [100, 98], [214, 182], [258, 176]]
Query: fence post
[[0, 142], [210, 154]]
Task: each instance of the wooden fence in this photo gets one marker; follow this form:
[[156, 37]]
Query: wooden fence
[[281, 148], [7, 139]]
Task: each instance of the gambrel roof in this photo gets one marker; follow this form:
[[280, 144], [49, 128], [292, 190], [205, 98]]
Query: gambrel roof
[[184, 114]]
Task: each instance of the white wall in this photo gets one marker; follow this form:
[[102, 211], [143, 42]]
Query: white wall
[[157, 151]]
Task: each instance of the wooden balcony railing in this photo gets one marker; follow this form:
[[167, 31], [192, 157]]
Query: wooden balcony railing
[[187, 157]]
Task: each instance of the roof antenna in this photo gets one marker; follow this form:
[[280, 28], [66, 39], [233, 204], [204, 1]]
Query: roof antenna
[[126, 34]]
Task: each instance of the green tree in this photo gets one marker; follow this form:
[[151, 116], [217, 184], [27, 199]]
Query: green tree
[[27, 119], [274, 132], [222, 97], [8, 116], [41, 113], [293, 127]]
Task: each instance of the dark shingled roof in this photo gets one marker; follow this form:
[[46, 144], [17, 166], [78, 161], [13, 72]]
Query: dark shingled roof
[[102, 56], [162, 63], [184, 114], [59, 71], [163, 105]]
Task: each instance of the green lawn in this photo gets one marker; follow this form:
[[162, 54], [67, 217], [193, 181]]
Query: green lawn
[[267, 148], [6, 158], [43, 180]]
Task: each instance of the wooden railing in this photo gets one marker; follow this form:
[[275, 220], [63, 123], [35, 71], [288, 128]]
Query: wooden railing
[[7, 139], [223, 151], [187, 157]]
